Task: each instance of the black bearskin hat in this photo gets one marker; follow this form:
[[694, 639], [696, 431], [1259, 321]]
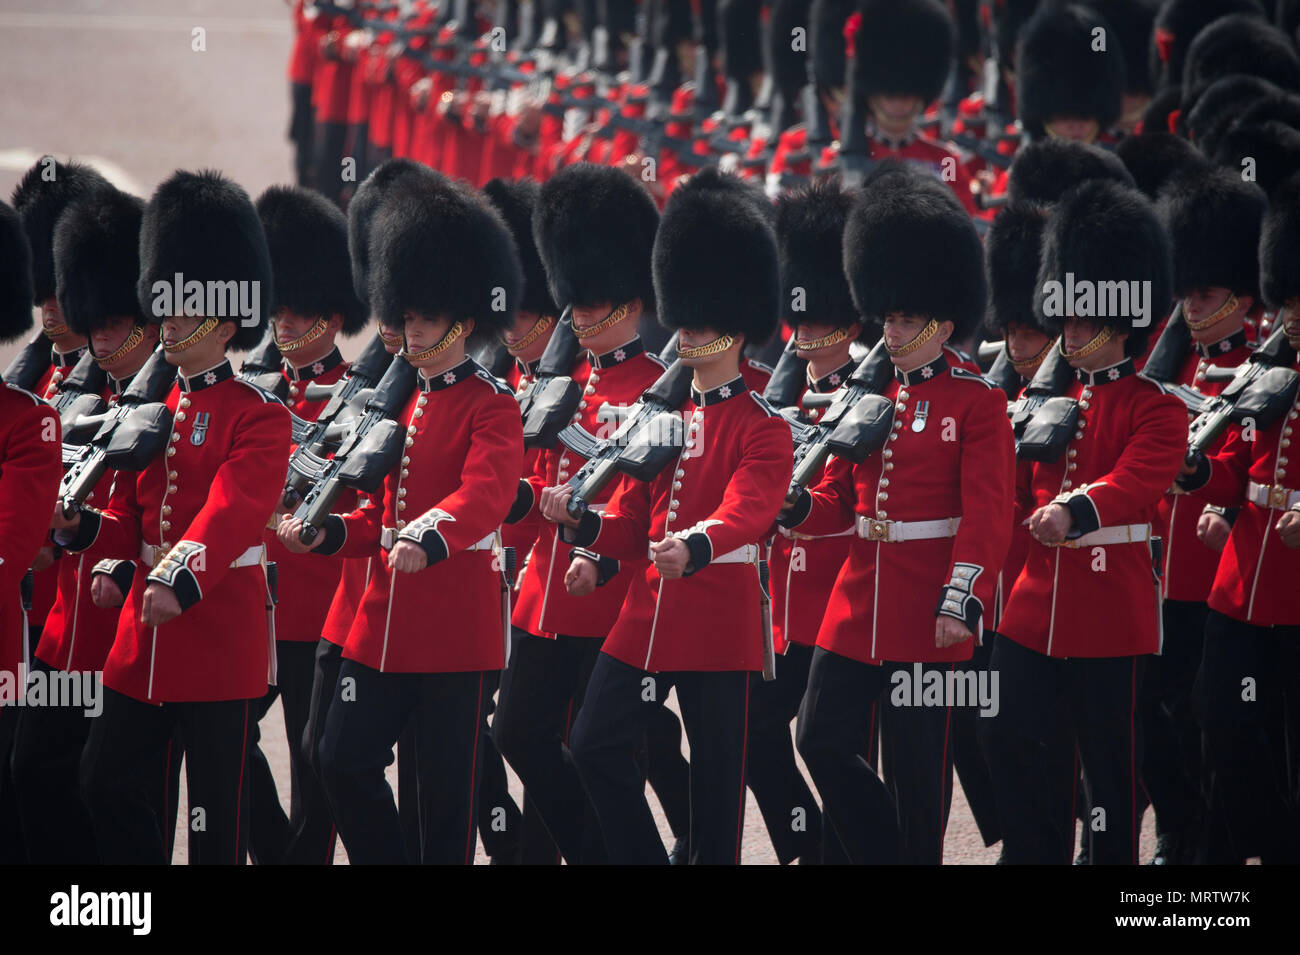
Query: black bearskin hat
[[15, 279], [595, 228], [308, 239], [789, 66], [1045, 170], [1133, 22], [1177, 24], [715, 258], [910, 247], [903, 47], [1219, 105], [1272, 149], [1060, 75], [97, 260], [1153, 158], [1240, 44], [1213, 220], [1279, 246], [204, 227], [516, 202], [1010, 21], [1103, 232], [810, 240], [39, 199], [443, 250], [1011, 251], [826, 20], [388, 178]]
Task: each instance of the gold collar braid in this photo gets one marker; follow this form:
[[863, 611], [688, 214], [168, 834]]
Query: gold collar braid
[[1227, 308], [1101, 338], [540, 328], [923, 336], [718, 345], [606, 323], [433, 351], [834, 338], [204, 329], [133, 339], [306, 338]]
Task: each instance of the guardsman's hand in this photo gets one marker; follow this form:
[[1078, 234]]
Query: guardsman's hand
[[44, 558], [949, 631], [554, 505], [1050, 523], [407, 557], [670, 556], [1213, 530], [289, 529], [159, 606], [580, 579], [60, 523], [104, 592], [1188, 467], [1288, 526]]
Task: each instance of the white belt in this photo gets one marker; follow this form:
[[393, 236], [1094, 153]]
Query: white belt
[[152, 555], [1272, 495], [744, 554], [796, 536], [388, 537], [1119, 534], [895, 532]]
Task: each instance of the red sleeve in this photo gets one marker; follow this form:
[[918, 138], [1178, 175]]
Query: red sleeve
[[834, 501], [623, 530], [30, 469], [363, 527], [1229, 470]]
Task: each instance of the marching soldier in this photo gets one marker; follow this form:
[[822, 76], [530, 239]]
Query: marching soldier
[[932, 515], [437, 517], [817, 305], [595, 229], [192, 647], [97, 264], [1247, 676], [692, 617], [30, 467], [313, 304], [1213, 221], [1086, 607]]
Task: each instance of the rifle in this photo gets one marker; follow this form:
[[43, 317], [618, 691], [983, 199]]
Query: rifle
[[649, 438], [82, 393], [789, 378], [1053, 416], [1003, 373], [328, 428], [30, 364], [548, 403], [857, 422], [1261, 389], [129, 435], [370, 450]]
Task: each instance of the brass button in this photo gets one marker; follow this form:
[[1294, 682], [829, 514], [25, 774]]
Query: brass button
[[410, 441], [166, 525], [401, 492], [171, 475], [401, 505], [180, 416], [184, 402], [170, 452], [166, 509], [883, 496], [406, 459], [419, 413], [405, 473]]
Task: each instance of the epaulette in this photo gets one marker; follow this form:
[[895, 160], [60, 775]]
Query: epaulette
[[654, 357], [267, 396], [499, 386], [1159, 384], [36, 399], [962, 374], [761, 366], [763, 403]]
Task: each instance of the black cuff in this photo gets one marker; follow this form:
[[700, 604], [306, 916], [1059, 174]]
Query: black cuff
[[585, 534], [606, 567], [1084, 512], [86, 533], [426, 534], [1230, 514], [1198, 480], [524, 499], [799, 512], [173, 573], [333, 533], [960, 605], [122, 572], [701, 549]]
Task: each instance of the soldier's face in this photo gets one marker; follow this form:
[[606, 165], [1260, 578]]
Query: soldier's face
[[423, 332], [812, 331], [1075, 129], [689, 338], [901, 330], [290, 326], [1078, 332], [1025, 341], [588, 316], [895, 114], [523, 324], [1289, 318], [111, 336], [56, 327], [392, 338], [1201, 304]]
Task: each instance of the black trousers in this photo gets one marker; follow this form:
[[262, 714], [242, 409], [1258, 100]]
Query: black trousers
[[368, 713], [499, 819], [877, 823], [791, 814], [127, 756], [968, 758], [328, 161], [301, 124], [312, 839], [667, 771], [1248, 680], [1171, 758], [619, 704], [541, 695], [13, 850], [270, 830], [1054, 715]]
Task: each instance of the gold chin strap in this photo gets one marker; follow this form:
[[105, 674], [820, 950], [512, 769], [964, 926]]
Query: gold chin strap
[[923, 336], [606, 323], [205, 328], [1030, 365], [306, 338], [1224, 310], [133, 339], [834, 338], [388, 339], [718, 345], [540, 328], [433, 351], [1101, 338], [56, 331]]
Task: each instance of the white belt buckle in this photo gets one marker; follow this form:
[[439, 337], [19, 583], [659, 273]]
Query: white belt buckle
[[877, 530], [1278, 497]]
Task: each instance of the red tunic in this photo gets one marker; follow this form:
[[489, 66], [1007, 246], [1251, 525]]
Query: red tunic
[[45, 583], [545, 607], [724, 493], [206, 502], [958, 465], [457, 481], [1101, 601], [30, 468]]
